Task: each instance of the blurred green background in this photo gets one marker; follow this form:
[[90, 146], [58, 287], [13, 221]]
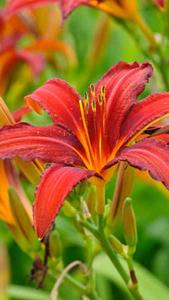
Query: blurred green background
[[151, 204]]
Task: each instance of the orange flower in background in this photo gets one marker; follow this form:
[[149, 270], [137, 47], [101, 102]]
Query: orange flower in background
[[5, 210], [89, 136], [11, 55], [38, 29], [8, 174], [160, 3], [14, 6], [15, 208], [123, 9]]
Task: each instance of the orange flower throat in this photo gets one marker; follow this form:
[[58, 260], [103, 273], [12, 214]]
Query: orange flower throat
[[94, 137]]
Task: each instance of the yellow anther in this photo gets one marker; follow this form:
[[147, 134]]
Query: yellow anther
[[100, 99], [102, 94], [92, 90], [86, 97], [103, 90], [93, 106]]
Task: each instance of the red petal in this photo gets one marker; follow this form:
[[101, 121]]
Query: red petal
[[56, 184], [49, 144], [61, 101], [35, 61], [151, 155], [20, 112], [14, 6], [143, 114], [123, 83], [67, 6], [160, 3]]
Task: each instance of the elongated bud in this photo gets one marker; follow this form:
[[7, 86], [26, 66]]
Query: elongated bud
[[91, 201], [82, 188], [55, 245], [5, 115], [116, 244], [4, 272], [24, 227], [31, 170], [85, 209], [129, 223], [123, 189], [69, 210], [100, 195]]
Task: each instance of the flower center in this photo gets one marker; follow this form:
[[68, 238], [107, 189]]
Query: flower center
[[93, 114]]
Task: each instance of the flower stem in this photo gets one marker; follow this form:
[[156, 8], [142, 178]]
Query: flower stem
[[160, 63], [146, 30], [100, 236]]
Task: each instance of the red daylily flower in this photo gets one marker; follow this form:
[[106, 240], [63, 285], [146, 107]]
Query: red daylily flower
[[89, 136], [42, 27], [14, 6], [11, 32], [122, 9], [160, 3]]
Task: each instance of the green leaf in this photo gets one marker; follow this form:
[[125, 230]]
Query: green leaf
[[150, 287], [26, 293]]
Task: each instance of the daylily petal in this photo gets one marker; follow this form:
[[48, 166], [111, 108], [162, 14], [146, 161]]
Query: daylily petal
[[122, 9], [143, 115], [160, 3], [44, 143], [60, 100], [56, 184], [148, 155], [67, 6], [46, 46], [5, 211], [123, 83], [10, 58], [35, 61], [14, 6], [20, 112]]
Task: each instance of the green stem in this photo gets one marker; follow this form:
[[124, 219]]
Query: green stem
[[76, 283], [160, 64], [100, 236]]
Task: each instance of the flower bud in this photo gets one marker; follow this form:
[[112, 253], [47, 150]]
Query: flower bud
[[69, 210], [4, 272], [5, 115], [91, 201], [55, 246], [129, 225], [116, 244], [23, 228]]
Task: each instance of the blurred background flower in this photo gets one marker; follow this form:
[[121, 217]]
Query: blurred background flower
[[97, 43]]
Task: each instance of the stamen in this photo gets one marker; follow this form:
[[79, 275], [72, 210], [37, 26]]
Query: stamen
[[103, 92], [103, 89], [86, 101], [100, 99], [87, 145], [93, 106], [92, 90]]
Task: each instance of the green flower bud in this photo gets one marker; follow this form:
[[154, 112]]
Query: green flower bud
[[116, 244], [129, 225], [69, 210], [55, 245], [23, 228]]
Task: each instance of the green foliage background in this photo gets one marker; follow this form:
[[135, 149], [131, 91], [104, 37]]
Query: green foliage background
[[151, 206]]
